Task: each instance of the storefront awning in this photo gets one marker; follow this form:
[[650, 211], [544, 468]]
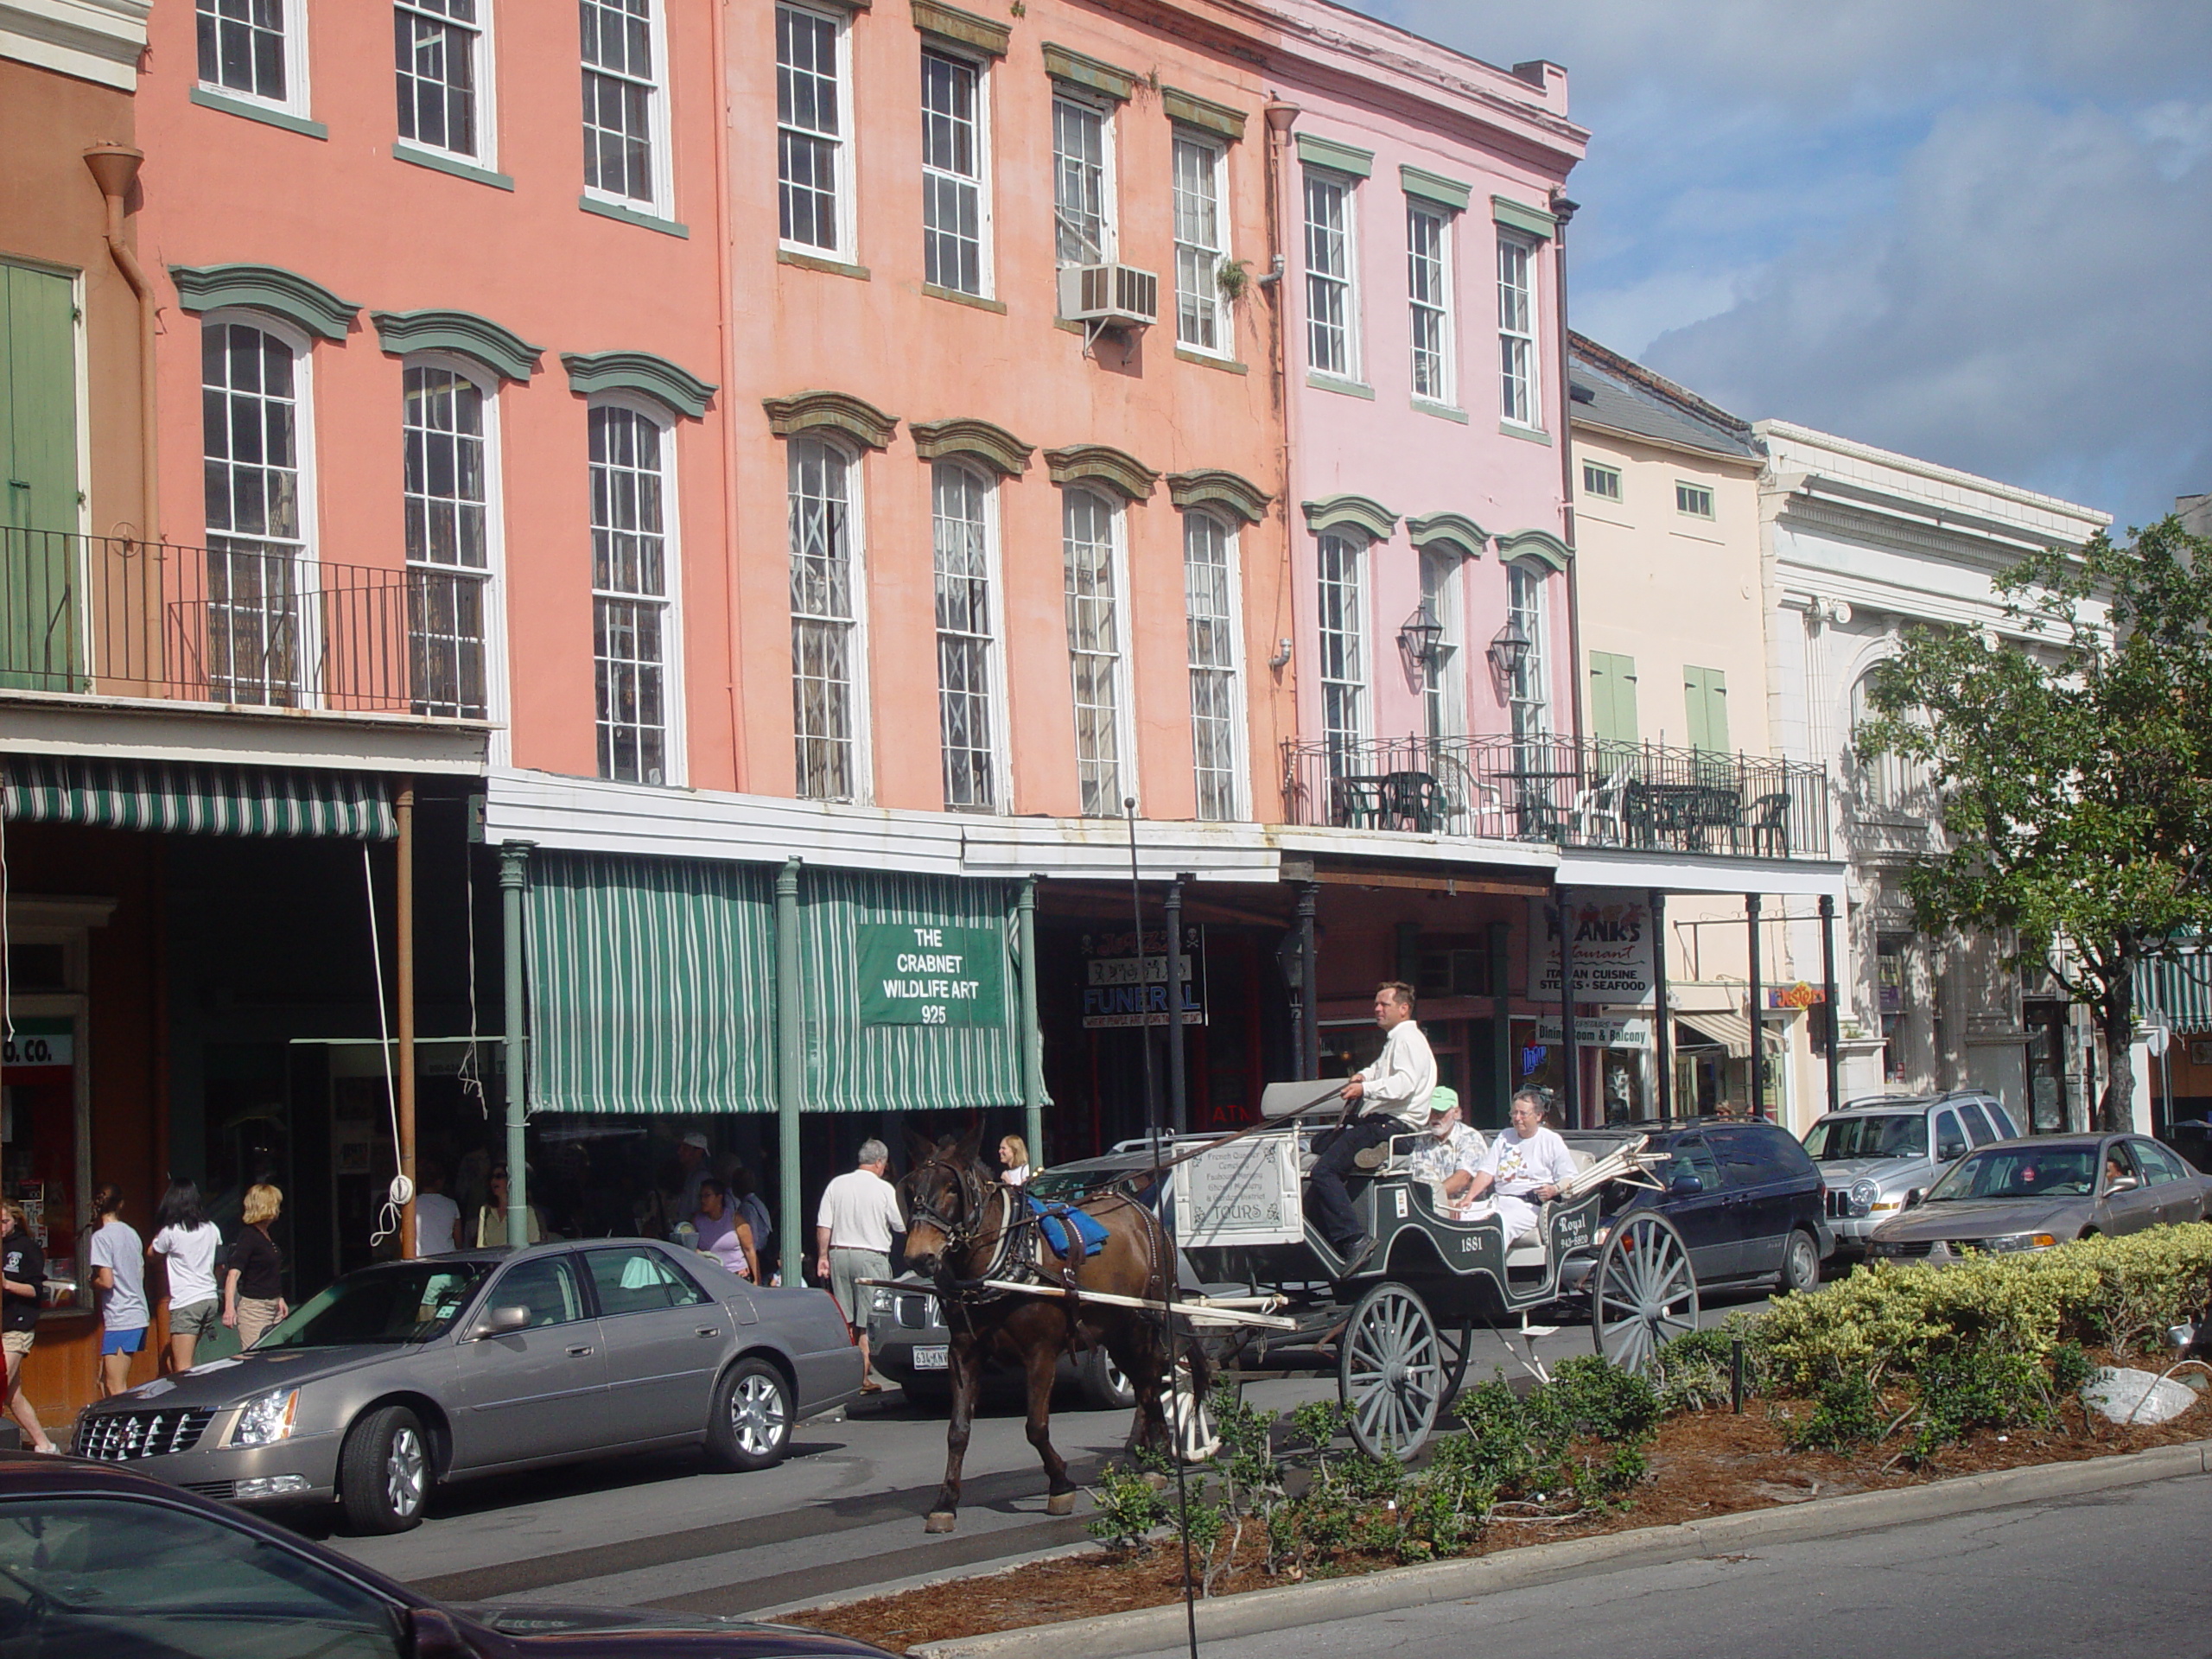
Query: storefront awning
[[201, 800], [2179, 988], [1733, 1033], [653, 985]]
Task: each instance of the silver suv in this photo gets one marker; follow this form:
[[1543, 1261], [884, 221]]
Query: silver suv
[[1875, 1153]]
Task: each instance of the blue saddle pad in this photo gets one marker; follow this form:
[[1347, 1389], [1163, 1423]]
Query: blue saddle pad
[[1058, 1218]]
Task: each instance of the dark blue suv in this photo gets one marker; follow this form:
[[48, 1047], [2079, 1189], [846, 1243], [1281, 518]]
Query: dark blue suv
[[1746, 1197]]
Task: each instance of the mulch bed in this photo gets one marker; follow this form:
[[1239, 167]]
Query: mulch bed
[[1703, 1464]]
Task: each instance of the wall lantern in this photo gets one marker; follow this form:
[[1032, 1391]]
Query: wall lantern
[[1422, 636], [1509, 651]]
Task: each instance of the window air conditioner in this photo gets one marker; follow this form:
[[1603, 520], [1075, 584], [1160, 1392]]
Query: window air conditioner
[[1109, 297]]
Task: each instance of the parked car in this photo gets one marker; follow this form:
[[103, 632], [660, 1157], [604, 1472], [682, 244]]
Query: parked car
[[97, 1560], [2037, 1192], [1744, 1196], [408, 1373], [1876, 1152]]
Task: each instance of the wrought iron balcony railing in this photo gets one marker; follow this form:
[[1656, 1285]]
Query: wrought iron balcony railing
[[1639, 797], [244, 623]]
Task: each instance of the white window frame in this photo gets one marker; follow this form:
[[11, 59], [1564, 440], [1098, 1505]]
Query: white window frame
[[494, 568], [861, 780], [307, 686], [995, 694], [841, 215], [986, 254], [1522, 342], [1108, 182], [674, 766], [1125, 758], [1209, 295], [1445, 393], [661, 168], [1444, 695], [296, 101], [1346, 283], [1528, 694], [1232, 626], [485, 79], [1357, 633]]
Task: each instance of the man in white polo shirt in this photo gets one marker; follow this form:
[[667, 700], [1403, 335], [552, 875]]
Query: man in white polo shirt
[[852, 1235], [1388, 1097]]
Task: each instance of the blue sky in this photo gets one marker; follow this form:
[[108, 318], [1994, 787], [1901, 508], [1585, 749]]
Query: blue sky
[[1974, 231]]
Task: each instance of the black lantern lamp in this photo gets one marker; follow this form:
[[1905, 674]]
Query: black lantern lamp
[[1422, 636], [1509, 651]]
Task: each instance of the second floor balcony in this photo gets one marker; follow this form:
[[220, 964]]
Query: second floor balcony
[[241, 624], [1635, 797]]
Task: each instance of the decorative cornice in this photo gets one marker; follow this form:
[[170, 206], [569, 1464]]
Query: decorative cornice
[[972, 440], [479, 338], [641, 372], [282, 293], [1337, 158], [854, 416], [93, 40], [1358, 512], [1195, 111], [1538, 545], [1120, 85], [1453, 530], [1212, 487], [933, 17], [1435, 186], [1521, 217], [1093, 463]]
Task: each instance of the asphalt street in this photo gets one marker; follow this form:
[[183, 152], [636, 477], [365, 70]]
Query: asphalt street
[[2119, 1574], [845, 1512]]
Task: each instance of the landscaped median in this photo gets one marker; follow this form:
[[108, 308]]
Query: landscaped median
[[1893, 1379]]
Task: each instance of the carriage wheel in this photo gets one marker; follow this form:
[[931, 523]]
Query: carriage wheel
[[1643, 1293], [1191, 1428], [1390, 1371], [1457, 1352]]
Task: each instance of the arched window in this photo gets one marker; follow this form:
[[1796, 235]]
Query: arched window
[[1888, 783], [446, 478], [1528, 689], [966, 637], [1342, 570], [632, 641], [1445, 669], [253, 430], [1096, 660], [1216, 693], [825, 617]]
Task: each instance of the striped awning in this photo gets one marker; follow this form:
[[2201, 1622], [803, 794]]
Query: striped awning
[[2179, 988], [653, 985], [856, 1067], [1733, 1033], [204, 800]]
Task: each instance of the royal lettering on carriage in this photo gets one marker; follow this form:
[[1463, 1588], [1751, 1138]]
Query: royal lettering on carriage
[[931, 976]]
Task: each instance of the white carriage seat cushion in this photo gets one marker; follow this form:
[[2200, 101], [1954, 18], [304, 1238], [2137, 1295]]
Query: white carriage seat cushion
[[1582, 1160], [1526, 1250]]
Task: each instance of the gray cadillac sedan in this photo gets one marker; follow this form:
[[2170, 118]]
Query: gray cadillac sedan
[[408, 1373], [2036, 1193]]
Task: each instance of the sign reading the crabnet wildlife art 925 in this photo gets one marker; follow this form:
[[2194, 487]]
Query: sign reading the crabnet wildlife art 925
[[931, 975]]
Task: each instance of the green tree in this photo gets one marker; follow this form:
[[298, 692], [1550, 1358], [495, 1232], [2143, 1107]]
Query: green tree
[[2072, 765]]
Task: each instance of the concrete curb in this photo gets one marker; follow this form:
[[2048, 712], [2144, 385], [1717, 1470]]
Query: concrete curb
[[920, 1581], [1256, 1611]]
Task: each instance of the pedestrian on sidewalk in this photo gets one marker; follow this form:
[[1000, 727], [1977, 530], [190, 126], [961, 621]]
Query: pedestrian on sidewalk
[[118, 1263], [253, 1276], [23, 1293], [723, 1233], [492, 1219], [745, 1193], [188, 1243], [437, 1217], [852, 1233]]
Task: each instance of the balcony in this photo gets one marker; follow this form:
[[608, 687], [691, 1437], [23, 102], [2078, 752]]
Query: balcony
[[246, 624], [1632, 797]]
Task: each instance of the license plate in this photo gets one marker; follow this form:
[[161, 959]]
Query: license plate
[[929, 1359]]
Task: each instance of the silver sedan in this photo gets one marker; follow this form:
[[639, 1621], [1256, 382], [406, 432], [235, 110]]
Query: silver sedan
[[408, 1373], [2037, 1192]]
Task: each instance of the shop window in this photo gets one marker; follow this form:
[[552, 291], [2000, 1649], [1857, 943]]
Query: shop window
[[1453, 970], [33, 967]]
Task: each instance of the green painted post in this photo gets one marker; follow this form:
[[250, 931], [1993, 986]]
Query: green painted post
[[791, 1063], [514, 867], [1033, 1035]]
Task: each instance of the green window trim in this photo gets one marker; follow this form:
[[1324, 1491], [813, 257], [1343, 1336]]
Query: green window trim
[[1519, 216], [1337, 158], [1538, 545], [464, 333], [1202, 112], [1694, 500], [414, 156], [271, 289], [1601, 482], [642, 372], [1705, 696], [1452, 531], [1357, 513], [631, 216], [209, 99], [854, 416], [961, 27], [1100, 464], [1089, 73], [1612, 697], [1212, 486], [1435, 186]]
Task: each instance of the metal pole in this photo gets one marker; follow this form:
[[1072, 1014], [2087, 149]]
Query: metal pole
[[1501, 935], [514, 875], [1309, 985], [791, 1060], [1662, 1027], [1572, 1101], [1144, 1017], [1178, 1108], [1831, 1024], [1032, 1036], [403, 949], [1758, 1026]]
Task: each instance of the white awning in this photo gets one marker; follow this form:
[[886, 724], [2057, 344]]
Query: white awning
[[1733, 1033]]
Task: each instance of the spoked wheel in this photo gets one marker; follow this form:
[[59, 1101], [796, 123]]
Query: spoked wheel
[[1191, 1427], [1390, 1371], [1458, 1350], [1643, 1293]]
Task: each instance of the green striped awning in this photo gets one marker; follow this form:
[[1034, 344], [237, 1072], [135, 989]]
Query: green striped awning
[[653, 985], [2178, 987], [854, 1067], [195, 799]]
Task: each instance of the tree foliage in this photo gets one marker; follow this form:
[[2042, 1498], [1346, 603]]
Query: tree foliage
[[2072, 765]]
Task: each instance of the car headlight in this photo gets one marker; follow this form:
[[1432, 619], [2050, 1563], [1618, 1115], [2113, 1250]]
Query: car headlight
[[266, 1419], [2007, 1243], [882, 1300], [1863, 1194]]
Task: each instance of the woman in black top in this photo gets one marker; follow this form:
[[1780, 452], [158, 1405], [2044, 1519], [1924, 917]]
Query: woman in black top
[[253, 1278], [23, 1269]]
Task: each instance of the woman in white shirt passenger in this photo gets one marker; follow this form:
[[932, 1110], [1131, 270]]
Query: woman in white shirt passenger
[[1014, 1162], [188, 1243]]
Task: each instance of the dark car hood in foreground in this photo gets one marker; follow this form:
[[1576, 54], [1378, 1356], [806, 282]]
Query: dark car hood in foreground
[[733, 1636], [1987, 1218], [228, 1381]]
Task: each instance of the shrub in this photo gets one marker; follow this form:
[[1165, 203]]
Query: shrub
[[1129, 1509], [1846, 1413], [1695, 1371], [1980, 1388]]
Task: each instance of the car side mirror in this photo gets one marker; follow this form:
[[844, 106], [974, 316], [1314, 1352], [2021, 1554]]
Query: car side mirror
[[501, 1322], [1685, 1186], [1912, 1199], [431, 1634]]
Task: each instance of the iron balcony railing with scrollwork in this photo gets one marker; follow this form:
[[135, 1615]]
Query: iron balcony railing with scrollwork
[[1639, 797], [243, 624]]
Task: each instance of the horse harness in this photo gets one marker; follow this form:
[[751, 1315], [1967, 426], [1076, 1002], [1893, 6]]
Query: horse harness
[[1015, 1257]]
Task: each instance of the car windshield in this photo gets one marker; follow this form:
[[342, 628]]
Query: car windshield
[[2018, 1172], [404, 1302], [1877, 1135]]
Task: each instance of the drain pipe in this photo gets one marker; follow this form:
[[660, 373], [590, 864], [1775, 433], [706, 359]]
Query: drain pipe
[[113, 167]]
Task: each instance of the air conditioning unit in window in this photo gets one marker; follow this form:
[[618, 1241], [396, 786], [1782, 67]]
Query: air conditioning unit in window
[[1109, 297]]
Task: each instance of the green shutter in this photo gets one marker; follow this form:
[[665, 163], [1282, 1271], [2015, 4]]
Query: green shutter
[[39, 622], [1612, 697], [1706, 692]]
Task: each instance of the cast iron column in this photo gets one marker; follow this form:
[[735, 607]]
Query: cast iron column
[[790, 1061], [1571, 1111], [1829, 1022], [1758, 1025], [1501, 936], [1032, 1036], [1663, 1034], [403, 947], [1179, 1109], [514, 876], [1309, 985]]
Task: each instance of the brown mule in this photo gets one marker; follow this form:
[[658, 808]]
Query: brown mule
[[964, 1226]]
